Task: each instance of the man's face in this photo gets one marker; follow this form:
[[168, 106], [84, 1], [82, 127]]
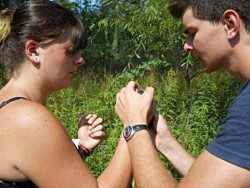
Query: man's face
[[208, 42]]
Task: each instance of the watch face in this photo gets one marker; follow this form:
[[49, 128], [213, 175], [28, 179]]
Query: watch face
[[127, 132]]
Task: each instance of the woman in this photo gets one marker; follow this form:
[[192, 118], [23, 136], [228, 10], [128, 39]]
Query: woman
[[41, 46]]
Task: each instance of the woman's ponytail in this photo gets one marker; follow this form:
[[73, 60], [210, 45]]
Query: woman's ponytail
[[6, 16]]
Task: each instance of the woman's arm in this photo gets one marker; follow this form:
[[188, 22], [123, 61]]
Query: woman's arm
[[42, 150], [118, 172]]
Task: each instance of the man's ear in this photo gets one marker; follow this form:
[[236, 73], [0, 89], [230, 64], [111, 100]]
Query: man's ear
[[231, 21], [31, 51]]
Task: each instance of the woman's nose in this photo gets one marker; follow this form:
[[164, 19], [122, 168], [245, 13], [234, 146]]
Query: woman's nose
[[79, 61]]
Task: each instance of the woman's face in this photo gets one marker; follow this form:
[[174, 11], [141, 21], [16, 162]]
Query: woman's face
[[59, 63]]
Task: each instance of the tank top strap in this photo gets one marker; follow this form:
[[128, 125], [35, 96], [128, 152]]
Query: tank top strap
[[11, 100]]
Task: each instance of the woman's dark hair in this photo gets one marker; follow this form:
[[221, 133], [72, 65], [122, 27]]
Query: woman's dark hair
[[211, 10], [40, 20]]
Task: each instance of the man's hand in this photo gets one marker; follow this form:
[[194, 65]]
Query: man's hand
[[134, 107]]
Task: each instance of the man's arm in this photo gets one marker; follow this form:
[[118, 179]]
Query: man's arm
[[169, 147], [209, 171], [148, 170], [206, 172], [178, 156]]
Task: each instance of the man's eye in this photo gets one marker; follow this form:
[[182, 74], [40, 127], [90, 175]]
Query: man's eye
[[192, 34]]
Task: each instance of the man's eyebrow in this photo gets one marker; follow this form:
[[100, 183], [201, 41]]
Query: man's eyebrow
[[188, 29]]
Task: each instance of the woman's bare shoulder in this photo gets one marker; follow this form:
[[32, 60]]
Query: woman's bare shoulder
[[26, 113], [40, 147], [26, 122]]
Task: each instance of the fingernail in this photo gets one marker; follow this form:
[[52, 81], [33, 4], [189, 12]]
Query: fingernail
[[88, 116]]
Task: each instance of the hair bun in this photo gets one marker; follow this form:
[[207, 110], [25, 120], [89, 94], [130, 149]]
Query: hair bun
[[6, 16]]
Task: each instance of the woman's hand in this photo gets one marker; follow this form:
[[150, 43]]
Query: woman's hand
[[90, 131]]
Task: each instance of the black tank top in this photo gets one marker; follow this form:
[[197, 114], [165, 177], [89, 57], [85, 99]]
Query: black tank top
[[10, 100], [9, 184]]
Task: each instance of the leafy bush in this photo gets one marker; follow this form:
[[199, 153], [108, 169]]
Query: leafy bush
[[193, 126]]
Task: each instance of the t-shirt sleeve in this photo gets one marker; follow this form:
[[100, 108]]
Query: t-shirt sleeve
[[232, 144]]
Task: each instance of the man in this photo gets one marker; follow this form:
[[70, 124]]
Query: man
[[219, 36]]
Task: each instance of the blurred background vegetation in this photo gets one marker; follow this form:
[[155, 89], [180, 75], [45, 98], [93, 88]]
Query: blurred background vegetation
[[139, 40]]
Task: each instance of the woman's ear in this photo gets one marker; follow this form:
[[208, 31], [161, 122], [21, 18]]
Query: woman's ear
[[31, 51], [231, 21]]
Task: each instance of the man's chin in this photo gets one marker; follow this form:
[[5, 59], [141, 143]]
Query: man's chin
[[208, 69]]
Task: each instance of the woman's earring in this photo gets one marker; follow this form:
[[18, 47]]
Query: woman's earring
[[36, 59]]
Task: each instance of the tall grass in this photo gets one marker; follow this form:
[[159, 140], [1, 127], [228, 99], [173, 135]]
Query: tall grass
[[193, 126], [194, 115]]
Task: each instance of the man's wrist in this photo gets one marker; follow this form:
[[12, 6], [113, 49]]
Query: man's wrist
[[168, 145], [129, 131], [135, 122]]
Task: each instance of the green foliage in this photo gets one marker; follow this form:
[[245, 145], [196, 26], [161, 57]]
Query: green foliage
[[143, 37], [193, 126], [133, 32]]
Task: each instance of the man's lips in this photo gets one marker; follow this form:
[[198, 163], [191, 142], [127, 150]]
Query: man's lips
[[72, 72]]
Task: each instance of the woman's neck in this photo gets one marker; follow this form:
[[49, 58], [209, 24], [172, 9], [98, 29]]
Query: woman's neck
[[23, 88]]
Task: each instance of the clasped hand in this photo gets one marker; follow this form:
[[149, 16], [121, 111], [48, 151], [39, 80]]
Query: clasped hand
[[90, 131], [133, 107]]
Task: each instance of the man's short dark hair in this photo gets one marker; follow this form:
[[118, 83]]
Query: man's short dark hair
[[211, 10]]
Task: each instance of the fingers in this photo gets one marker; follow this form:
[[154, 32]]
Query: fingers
[[97, 132], [88, 116], [91, 119], [98, 135], [87, 120], [120, 95], [132, 86], [149, 91], [121, 92], [94, 121]]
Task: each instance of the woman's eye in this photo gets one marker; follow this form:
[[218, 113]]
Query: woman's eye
[[72, 51]]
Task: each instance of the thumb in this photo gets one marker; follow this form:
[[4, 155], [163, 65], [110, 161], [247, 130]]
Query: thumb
[[149, 91]]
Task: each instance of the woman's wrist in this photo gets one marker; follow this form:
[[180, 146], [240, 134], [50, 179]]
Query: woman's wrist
[[82, 150]]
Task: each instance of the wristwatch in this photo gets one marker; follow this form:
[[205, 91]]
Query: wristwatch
[[129, 131]]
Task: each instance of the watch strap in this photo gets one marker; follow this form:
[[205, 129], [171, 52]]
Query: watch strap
[[140, 127], [134, 129]]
